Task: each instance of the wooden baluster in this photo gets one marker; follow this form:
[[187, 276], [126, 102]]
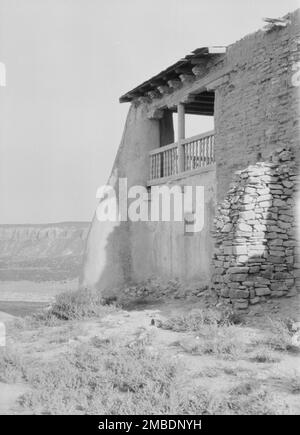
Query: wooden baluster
[[158, 168], [194, 155], [187, 156], [200, 152], [173, 169], [208, 150], [167, 164], [151, 168]]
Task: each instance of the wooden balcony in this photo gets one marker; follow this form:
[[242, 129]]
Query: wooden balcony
[[186, 155]]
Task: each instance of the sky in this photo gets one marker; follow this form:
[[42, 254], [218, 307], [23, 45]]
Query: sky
[[67, 63]]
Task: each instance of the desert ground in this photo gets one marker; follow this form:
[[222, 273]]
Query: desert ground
[[155, 350], [73, 355]]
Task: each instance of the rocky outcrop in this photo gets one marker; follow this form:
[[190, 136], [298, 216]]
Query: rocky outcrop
[[25, 241], [255, 234], [42, 252]]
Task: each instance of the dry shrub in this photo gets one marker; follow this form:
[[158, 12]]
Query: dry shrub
[[280, 336], [11, 366]]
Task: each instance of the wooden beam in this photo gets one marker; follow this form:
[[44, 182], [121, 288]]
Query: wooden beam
[[215, 84], [154, 94], [181, 121], [199, 61], [175, 83], [184, 69], [200, 112], [196, 87], [217, 50], [187, 78], [199, 105], [181, 135], [163, 89], [200, 70], [144, 100]]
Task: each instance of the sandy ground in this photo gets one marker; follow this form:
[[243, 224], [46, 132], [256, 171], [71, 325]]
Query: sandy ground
[[135, 323], [29, 291], [22, 298]]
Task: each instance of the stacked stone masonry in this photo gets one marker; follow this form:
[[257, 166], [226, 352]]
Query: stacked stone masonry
[[257, 109], [256, 252]]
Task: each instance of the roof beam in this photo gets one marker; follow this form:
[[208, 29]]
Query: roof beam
[[187, 78]]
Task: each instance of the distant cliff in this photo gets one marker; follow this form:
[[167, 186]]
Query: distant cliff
[[42, 252]]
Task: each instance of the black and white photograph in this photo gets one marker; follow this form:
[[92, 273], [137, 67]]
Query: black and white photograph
[[149, 212]]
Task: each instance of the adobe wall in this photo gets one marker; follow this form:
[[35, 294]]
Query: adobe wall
[[257, 109], [166, 250], [124, 252], [107, 260]]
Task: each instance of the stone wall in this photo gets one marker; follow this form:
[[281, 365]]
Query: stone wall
[[257, 109], [256, 253]]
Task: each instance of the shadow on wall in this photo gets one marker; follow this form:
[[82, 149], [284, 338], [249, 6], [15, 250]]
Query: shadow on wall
[[255, 234], [107, 263]]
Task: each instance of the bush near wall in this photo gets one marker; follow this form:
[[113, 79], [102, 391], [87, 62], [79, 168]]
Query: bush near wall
[[255, 234]]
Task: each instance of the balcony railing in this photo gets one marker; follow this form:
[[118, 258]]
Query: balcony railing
[[195, 152]]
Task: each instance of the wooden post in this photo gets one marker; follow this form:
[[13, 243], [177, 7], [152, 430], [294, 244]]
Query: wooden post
[[181, 135]]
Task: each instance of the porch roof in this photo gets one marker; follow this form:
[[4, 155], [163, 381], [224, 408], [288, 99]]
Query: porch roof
[[178, 72]]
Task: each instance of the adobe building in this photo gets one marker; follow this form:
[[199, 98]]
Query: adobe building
[[247, 250]]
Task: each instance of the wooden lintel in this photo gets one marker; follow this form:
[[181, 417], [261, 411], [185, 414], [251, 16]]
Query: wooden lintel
[[184, 69], [199, 105], [164, 89], [144, 100], [200, 112], [217, 50], [199, 70], [154, 93], [199, 61], [216, 83], [176, 84], [199, 85], [186, 78]]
